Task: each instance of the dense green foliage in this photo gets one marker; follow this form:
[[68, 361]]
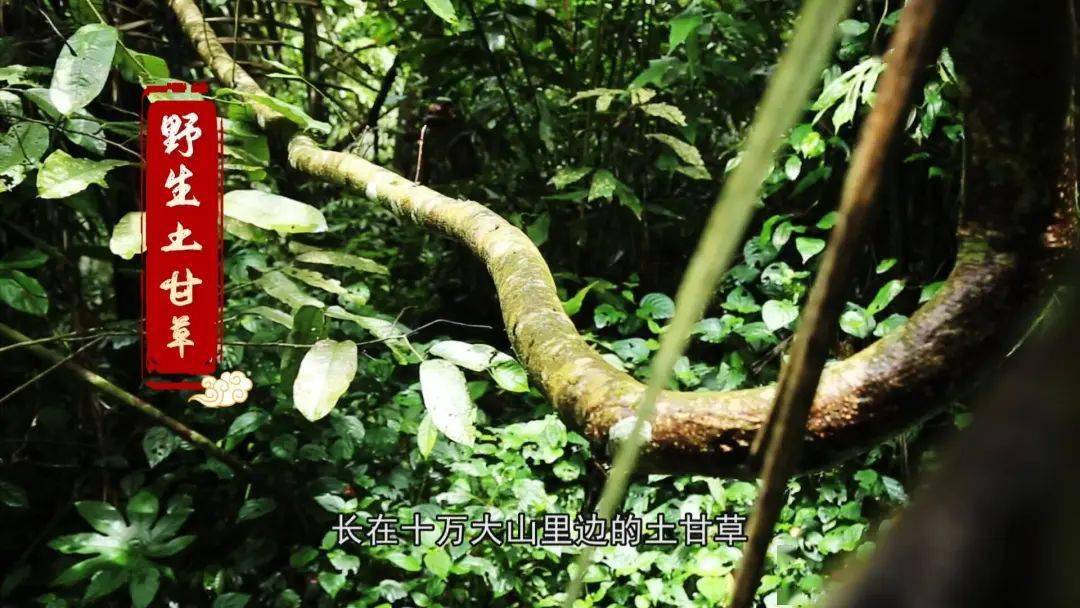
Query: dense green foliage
[[602, 129]]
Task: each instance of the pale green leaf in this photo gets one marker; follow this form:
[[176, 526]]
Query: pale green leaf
[[808, 247], [687, 152], [316, 280], [279, 287], [568, 175], [885, 296], [426, 435], [127, 235], [324, 376], [474, 357], [80, 75], [666, 111], [446, 397], [603, 185], [63, 175], [21, 147], [444, 9], [347, 260], [273, 212], [779, 314]]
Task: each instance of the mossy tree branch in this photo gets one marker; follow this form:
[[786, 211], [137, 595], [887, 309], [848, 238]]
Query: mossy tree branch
[[892, 383]]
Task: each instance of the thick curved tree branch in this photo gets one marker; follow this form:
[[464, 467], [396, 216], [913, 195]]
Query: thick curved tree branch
[[1012, 225]]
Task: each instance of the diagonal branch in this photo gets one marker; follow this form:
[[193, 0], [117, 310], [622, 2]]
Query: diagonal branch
[[125, 398], [904, 376], [917, 42]]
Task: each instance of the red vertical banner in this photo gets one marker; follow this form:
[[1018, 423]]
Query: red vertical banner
[[182, 279]]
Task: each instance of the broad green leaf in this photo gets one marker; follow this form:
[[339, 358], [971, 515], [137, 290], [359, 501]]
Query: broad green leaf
[[23, 292], [694, 172], [666, 111], [740, 300], [857, 321], [598, 92], [272, 314], [885, 265], [656, 306], [687, 152], [792, 168], [509, 374], [631, 350], [79, 76], [273, 212], [426, 435], [139, 67], [890, 324], [316, 280], [715, 589], [603, 185], [438, 562], [101, 516], [13, 496], [245, 231], [142, 509], [347, 260], [344, 562], [929, 291], [808, 247], [446, 397], [681, 27], [444, 9], [324, 376], [332, 583], [143, 586], [290, 111], [779, 314], [63, 175], [103, 583], [828, 220], [127, 235], [308, 326], [885, 296], [713, 330], [279, 287], [86, 133], [639, 96], [158, 443], [246, 423], [573, 305], [21, 147], [10, 105], [474, 357], [568, 175], [255, 508]]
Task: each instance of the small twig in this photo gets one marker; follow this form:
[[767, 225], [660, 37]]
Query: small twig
[[917, 40], [125, 398], [72, 337], [420, 153], [54, 28], [46, 371]]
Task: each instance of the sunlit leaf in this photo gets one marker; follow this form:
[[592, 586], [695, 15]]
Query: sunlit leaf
[[446, 397], [63, 175], [273, 212], [324, 376], [127, 236], [82, 67]]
